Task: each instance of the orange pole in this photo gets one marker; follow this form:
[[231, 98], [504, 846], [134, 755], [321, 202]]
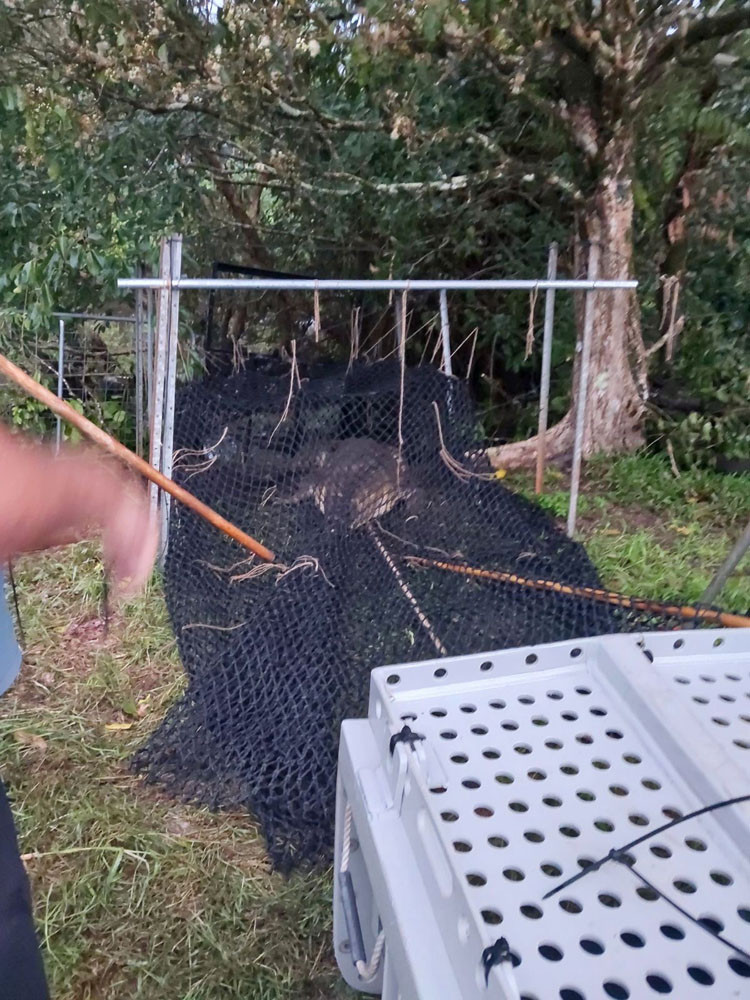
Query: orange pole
[[607, 596], [135, 462]]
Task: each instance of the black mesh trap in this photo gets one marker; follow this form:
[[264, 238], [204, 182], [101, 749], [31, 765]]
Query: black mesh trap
[[348, 477]]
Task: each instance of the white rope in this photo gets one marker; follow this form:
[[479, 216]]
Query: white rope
[[424, 621], [366, 970], [316, 311], [346, 842], [530, 329], [511, 986], [402, 368]]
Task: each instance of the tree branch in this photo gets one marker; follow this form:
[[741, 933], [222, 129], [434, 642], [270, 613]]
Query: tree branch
[[703, 29]]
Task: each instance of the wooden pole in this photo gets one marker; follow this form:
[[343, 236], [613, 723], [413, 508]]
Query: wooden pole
[[593, 593], [139, 465]]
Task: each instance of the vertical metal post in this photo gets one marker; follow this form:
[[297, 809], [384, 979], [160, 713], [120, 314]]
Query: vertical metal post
[[549, 321], [138, 347], [583, 384], [175, 265], [60, 363], [160, 369], [445, 331], [149, 352]]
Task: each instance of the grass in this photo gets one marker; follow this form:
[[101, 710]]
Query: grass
[[652, 534], [137, 895], [143, 897]]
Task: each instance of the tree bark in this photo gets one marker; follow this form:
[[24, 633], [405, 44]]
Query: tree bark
[[617, 377]]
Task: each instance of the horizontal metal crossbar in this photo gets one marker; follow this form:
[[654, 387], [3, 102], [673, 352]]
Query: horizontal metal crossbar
[[382, 285]]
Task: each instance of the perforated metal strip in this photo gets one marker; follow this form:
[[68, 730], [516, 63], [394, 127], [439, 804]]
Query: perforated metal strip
[[537, 762]]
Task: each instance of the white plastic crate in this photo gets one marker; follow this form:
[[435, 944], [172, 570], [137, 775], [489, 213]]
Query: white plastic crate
[[535, 763]]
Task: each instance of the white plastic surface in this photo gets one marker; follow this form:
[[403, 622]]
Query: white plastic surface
[[537, 762]]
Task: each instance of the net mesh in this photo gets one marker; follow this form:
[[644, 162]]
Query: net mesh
[[346, 475]]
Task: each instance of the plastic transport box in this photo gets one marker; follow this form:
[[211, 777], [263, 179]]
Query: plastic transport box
[[479, 784]]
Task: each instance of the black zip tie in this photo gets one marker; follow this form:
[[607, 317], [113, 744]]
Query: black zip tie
[[405, 736], [494, 955], [613, 854], [685, 914], [14, 592]]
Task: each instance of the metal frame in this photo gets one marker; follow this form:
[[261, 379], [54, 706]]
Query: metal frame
[[550, 284], [61, 317], [378, 284], [165, 377], [60, 363], [524, 762], [94, 317], [583, 389]]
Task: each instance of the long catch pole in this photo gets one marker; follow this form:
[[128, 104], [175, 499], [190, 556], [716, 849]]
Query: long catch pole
[[60, 362], [725, 618], [583, 386], [549, 322], [66, 412]]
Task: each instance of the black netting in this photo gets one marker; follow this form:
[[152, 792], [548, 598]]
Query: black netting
[[277, 657]]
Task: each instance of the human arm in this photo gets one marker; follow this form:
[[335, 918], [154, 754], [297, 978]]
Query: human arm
[[48, 500]]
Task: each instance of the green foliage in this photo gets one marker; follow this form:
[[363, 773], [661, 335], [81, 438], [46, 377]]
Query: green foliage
[[712, 359], [648, 482], [77, 197], [440, 137], [30, 416]]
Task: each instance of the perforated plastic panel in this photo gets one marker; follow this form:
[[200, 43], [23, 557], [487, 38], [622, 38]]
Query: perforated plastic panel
[[536, 763]]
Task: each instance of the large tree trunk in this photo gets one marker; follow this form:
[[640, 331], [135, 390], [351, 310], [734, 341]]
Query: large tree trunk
[[615, 405], [617, 387]]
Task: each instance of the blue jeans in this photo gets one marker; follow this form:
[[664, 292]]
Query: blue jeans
[[21, 969]]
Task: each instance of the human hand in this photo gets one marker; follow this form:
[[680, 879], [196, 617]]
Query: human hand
[[129, 540], [48, 500]]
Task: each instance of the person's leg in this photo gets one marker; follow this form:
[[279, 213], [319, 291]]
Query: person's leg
[[21, 969]]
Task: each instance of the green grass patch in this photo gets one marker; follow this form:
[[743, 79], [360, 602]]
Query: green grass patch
[[140, 896], [137, 895], [696, 496]]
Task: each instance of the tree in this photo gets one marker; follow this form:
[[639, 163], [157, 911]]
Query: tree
[[381, 114]]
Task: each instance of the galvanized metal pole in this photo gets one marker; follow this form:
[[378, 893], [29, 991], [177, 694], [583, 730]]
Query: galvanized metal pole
[[160, 370], [94, 317], [175, 265], [730, 564], [379, 284], [149, 352], [60, 362], [138, 345], [445, 331], [549, 319], [583, 385]]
